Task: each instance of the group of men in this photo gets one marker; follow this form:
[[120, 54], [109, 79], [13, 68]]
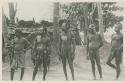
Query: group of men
[[95, 42], [41, 50], [67, 45]]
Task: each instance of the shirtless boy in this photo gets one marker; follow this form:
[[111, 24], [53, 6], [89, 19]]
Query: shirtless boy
[[20, 46], [116, 49], [94, 44]]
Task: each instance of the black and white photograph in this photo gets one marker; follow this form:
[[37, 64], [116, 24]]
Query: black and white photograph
[[62, 41]]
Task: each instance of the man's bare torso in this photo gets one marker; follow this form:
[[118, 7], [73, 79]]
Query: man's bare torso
[[94, 41], [117, 40], [19, 44], [42, 42]]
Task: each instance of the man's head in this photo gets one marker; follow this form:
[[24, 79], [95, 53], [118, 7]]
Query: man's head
[[18, 33], [118, 27], [92, 28], [64, 26], [74, 30]]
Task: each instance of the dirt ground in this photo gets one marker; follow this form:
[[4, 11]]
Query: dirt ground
[[82, 68]]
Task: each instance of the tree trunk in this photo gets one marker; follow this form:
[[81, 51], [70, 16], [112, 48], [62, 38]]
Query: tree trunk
[[56, 15], [56, 25], [100, 18], [86, 23], [12, 12], [4, 28], [56, 20], [4, 36]]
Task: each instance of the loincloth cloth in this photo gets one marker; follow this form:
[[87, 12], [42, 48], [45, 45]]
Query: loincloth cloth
[[18, 59]]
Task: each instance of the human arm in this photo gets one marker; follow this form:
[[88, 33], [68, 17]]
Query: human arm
[[87, 47], [121, 47], [60, 48]]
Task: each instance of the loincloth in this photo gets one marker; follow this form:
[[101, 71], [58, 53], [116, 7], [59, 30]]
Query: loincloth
[[67, 52], [18, 59], [93, 53], [117, 54], [40, 55]]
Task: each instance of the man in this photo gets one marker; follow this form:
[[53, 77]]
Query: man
[[42, 49], [94, 44], [116, 49], [20, 46], [67, 49]]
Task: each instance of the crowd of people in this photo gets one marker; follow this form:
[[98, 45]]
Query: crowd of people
[[41, 50]]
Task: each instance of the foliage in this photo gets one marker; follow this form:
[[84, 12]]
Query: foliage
[[108, 16], [76, 11], [23, 23], [46, 23], [31, 23]]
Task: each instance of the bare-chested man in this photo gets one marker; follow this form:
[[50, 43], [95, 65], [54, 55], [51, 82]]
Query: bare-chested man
[[67, 49], [20, 46], [42, 50], [93, 46], [116, 49]]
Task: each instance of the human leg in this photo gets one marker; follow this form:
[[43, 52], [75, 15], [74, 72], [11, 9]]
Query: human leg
[[97, 58], [44, 67], [118, 71], [111, 57], [12, 73], [70, 61], [118, 61], [64, 67], [22, 73], [92, 59], [35, 70]]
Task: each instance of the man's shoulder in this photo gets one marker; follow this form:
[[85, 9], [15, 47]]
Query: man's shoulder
[[24, 39], [121, 34]]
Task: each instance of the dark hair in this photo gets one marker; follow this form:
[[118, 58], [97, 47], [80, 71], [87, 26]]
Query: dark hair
[[61, 22], [18, 31], [119, 25]]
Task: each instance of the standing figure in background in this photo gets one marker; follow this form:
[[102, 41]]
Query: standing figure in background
[[67, 49], [42, 49], [116, 49], [94, 43], [20, 46]]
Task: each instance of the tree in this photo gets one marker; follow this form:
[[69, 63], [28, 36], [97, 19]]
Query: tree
[[56, 22], [100, 20], [109, 18], [4, 27], [4, 36], [78, 12], [46, 23], [56, 15], [12, 12], [100, 14]]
